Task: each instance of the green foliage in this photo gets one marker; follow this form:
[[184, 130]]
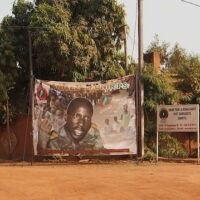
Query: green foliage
[[176, 58], [188, 75], [72, 40], [149, 154], [170, 147], [158, 89], [51, 42], [3, 91], [161, 47], [83, 38], [167, 87], [8, 69], [3, 117], [184, 71]]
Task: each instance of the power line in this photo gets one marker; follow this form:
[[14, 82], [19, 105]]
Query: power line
[[189, 2], [21, 27]]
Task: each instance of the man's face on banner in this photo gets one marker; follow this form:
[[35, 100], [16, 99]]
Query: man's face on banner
[[79, 122]]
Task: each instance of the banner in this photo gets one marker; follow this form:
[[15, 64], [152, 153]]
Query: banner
[[92, 117]]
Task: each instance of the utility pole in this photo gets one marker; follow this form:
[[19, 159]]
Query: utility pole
[[125, 49], [31, 92], [8, 128], [31, 69], [140, 95]]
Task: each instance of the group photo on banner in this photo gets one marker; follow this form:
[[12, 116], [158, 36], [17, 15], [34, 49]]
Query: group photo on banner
[[84, 116]]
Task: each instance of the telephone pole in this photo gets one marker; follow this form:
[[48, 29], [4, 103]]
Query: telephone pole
[[30, 70], [140, 94], [125, 49]]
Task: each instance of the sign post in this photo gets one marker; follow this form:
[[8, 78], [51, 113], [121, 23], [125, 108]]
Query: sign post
[[157, 146], [178, 118]]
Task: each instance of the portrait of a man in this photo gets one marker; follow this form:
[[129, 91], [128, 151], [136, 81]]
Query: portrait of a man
[[80, 132]]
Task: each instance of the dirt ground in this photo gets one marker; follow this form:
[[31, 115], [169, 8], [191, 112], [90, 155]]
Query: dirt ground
[[112, 181]]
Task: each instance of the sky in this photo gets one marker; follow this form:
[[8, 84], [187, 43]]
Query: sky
[[173, 20]]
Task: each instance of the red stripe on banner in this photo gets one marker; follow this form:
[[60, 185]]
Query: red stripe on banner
[[83, 152]]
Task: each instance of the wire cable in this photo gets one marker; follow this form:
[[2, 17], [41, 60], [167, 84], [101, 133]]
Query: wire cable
[[189, 2], [27, 27]]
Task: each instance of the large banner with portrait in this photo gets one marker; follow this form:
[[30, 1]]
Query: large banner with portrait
[[91, 117]]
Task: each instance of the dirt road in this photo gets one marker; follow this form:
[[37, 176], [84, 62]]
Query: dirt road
[[116, 181]]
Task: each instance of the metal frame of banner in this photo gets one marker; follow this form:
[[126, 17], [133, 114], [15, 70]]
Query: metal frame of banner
[[109, 152], [157, 138]]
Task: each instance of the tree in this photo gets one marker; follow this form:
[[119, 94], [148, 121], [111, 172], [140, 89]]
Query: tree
[[185, 70], [89, 35], [177, 56], [188, 80], [158, 46], [71, 41], [158, 89], [8, 72]]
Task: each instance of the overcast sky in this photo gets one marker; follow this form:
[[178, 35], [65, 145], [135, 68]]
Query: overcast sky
[[173, 20]]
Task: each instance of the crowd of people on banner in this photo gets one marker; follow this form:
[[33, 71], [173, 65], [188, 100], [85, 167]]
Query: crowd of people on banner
[[92, 95], [120, 124]]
